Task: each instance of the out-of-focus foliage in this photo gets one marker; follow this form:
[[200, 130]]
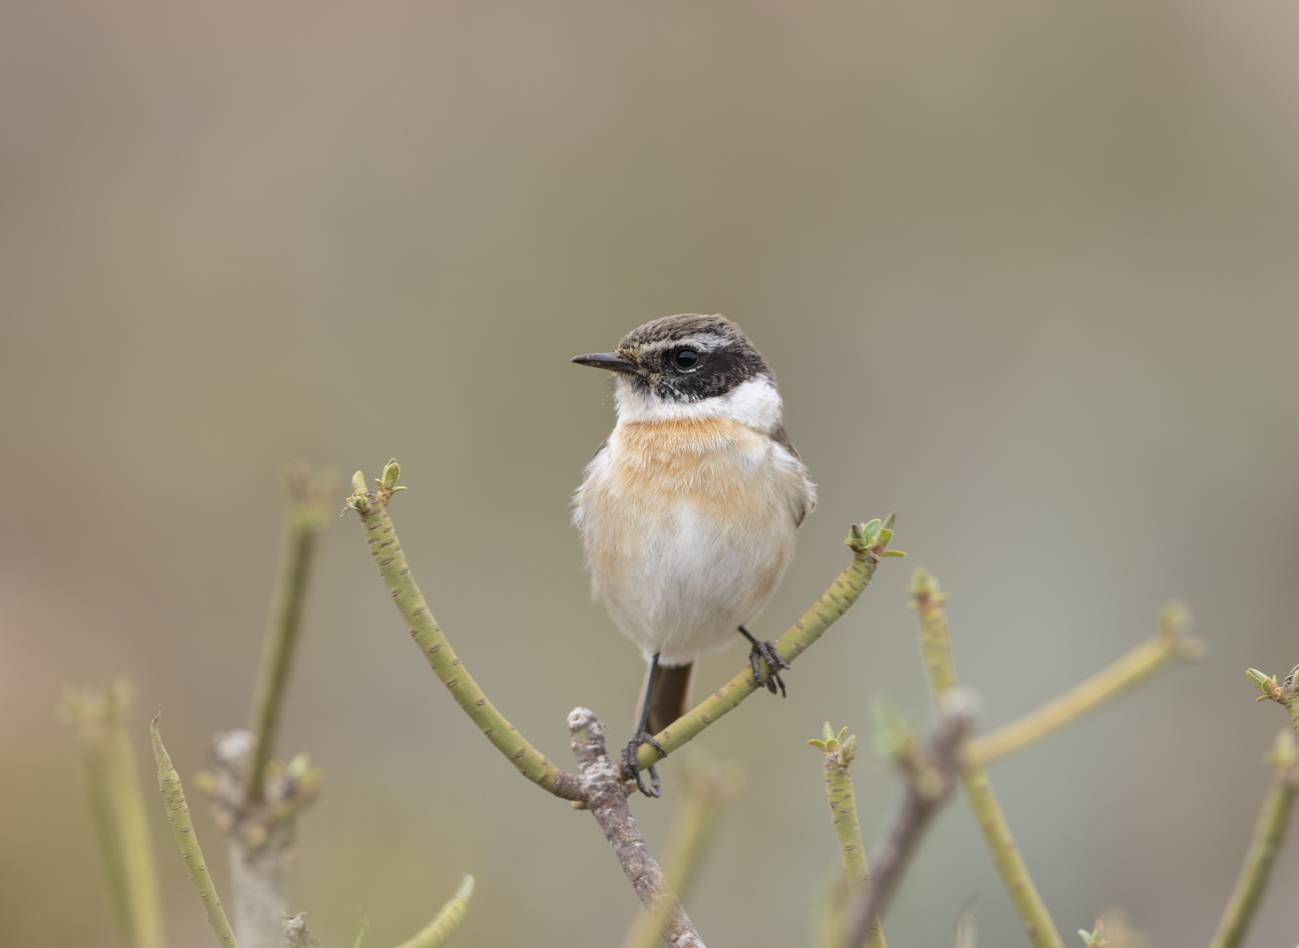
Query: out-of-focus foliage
[[1026, 275]]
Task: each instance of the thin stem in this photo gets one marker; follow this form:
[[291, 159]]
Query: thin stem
[[869, 543], [428, 635], [1284, 692], [117, 810], [447, 920], [182, 828], [930, 775], [1268, 834], [261, 835], [295, 934], [964, 937], [707, 788], [604, 794], [935, 644], [1167, 644], [361, 933], [843, 817], [840, 749], [301, 531]]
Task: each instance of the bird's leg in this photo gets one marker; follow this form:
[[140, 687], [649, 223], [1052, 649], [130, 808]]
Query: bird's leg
[[765, 651], [630, 769]]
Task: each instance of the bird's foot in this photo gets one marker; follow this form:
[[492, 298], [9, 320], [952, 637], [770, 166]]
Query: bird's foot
[[765, 651], [631, 770]]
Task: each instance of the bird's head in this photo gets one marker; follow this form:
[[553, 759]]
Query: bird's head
[[690, 366]]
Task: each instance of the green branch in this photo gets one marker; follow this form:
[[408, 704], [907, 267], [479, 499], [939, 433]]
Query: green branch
[[840, 749], [182, 828], [929, 772], [935, 644], [1268, 834], [372, 506], [1168, 643], [301, 531], [1284, 693], [117, 810], [1272, 819], [447, 920], [869, 543]]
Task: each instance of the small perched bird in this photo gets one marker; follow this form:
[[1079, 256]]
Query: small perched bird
[[688, 510]]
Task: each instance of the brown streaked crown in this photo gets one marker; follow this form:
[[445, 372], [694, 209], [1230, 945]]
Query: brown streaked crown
[[691, 356]]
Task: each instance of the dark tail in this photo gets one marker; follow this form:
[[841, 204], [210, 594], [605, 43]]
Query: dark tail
[[670, 697]]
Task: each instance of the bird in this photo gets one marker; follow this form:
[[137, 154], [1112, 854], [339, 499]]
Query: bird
[[688, 511]]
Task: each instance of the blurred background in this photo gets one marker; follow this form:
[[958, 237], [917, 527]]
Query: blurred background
[[1027, 275]]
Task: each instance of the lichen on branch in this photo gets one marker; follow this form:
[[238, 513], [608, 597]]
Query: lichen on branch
[[707, 787], [261, 834], [605, 796]]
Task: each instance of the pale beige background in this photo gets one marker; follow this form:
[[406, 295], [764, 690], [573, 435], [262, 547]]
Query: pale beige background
[[1028, 277]]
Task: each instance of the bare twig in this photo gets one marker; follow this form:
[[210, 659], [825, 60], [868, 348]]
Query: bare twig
[[1284, 692], [448, 919], [361, 933], [302, 527], [1169, 643], [869, 543], [117, 809], [261, 834], [296, 934], [1273, 818], [840, 749], [706, 788], [372, 507], [930, 774], [605, 795], [182, 829], [257, 798], [936, 647]]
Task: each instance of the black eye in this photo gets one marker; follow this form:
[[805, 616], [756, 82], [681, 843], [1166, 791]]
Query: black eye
[[685, 358]]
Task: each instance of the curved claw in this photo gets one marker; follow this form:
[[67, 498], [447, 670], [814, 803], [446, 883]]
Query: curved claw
[[765, 651], [631, 770]]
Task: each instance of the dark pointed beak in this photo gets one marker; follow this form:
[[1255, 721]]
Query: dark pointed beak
[[607, 360]]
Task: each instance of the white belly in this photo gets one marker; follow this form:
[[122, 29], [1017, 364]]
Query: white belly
[[688, 529]]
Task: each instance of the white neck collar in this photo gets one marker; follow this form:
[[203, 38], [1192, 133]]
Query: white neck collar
[[755, 403]]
